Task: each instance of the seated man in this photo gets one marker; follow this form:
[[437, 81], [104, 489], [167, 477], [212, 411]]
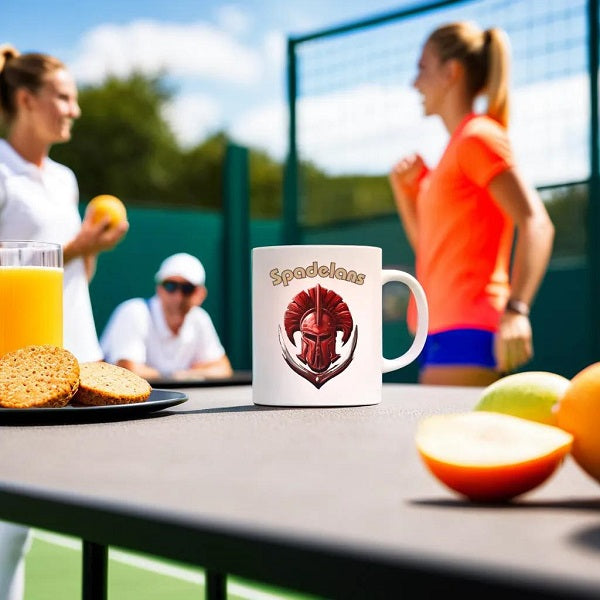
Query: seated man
[[169, 335]]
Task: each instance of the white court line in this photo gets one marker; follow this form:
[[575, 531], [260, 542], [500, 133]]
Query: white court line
[[156, 566]]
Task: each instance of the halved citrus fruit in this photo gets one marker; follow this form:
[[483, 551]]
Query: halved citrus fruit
[[488, 456]]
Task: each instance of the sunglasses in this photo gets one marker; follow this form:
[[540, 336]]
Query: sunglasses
[[187, 289]]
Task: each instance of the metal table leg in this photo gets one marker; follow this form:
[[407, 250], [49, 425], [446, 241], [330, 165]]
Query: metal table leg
[[216, 586], [95, 571]]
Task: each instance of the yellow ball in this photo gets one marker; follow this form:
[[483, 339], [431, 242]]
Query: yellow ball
[[105, 205]]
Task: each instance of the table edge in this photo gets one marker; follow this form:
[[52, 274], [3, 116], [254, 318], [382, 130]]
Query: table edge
[[304, 563]]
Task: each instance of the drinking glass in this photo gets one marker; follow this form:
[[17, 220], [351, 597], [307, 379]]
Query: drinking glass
[[31, 288]]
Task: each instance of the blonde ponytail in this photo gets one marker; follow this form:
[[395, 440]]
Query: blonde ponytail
[[6, 53], [498, 75]]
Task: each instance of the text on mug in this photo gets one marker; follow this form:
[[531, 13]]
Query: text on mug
[[315, 270]]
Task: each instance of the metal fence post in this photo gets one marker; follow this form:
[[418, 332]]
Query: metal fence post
[[236, 237], [290, 190], [593, 240]]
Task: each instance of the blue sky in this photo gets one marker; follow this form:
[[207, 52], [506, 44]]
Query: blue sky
[[242, 67]]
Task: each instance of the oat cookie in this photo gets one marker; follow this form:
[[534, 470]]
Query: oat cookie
[[102, 383], [38, 377]]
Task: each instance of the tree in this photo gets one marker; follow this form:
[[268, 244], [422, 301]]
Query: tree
[[197, 177], [121, 144]]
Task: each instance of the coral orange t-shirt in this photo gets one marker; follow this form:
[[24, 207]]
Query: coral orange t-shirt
[[464, 237]]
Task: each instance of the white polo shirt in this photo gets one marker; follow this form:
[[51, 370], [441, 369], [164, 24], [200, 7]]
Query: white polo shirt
[[137, 331], [40, 203]]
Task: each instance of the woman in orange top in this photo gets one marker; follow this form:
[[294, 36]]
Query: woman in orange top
[[460, 217]]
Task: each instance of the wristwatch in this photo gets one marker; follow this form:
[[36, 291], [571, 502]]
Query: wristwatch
[[517, 306]]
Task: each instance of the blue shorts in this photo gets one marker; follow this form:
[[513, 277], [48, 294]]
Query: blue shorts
[[465, 347]]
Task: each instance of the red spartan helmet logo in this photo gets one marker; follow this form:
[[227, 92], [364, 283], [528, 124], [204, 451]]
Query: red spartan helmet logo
[[318, 314]]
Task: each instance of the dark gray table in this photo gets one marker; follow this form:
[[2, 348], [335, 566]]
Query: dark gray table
[[237, 378], [333, 502]]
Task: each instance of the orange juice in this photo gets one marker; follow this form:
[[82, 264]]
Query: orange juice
[[31, 310]]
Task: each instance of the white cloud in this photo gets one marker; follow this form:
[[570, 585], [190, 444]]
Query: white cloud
[[193, 117], [234, 19], [355, 130], [197, 50], [550, 129], [365, 129], [264, 127], [274, 50]]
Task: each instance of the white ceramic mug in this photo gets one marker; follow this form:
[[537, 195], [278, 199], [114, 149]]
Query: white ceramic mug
[[317, 325]]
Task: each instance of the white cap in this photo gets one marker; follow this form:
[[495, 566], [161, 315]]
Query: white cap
[[182, 265]]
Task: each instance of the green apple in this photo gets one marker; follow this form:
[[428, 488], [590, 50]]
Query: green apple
[[530, 395]]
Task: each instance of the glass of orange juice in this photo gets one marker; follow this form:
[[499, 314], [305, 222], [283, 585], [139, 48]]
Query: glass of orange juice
[[31, 286]]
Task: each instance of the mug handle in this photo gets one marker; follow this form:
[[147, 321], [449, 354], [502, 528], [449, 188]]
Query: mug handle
[[391, 364]]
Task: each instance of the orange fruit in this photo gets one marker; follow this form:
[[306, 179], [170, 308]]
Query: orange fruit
[[109, 206], [579, 413], [489, 456]]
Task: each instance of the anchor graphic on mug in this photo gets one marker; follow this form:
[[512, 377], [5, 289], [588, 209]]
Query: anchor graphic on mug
[[318, 314]]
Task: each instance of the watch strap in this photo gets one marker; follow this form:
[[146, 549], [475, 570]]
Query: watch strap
[[517, 306]]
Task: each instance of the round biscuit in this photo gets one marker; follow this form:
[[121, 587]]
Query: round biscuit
[[38, 377], [102, 383]]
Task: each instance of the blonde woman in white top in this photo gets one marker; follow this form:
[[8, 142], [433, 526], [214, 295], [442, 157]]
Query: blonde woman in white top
[[38, 201]]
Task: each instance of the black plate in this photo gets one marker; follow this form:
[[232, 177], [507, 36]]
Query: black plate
[[158, 400]]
